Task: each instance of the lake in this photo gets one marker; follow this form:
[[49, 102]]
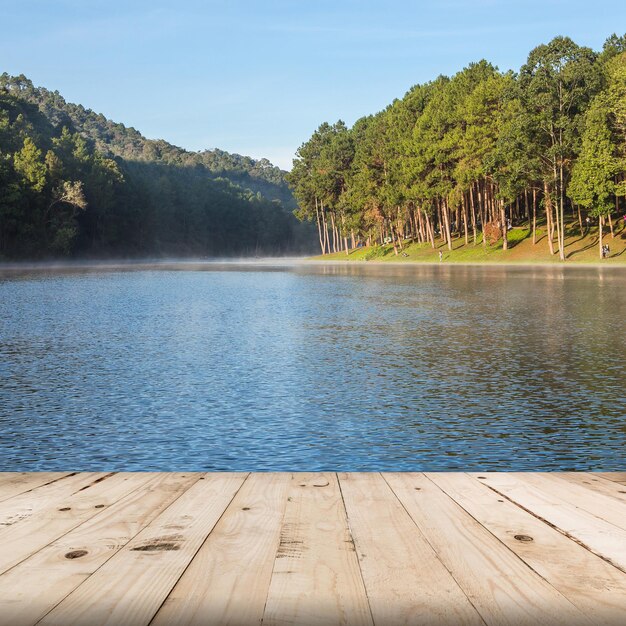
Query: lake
[[293, 366]]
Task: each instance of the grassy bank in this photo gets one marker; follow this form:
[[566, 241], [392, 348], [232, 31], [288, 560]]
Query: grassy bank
[[521, 250]]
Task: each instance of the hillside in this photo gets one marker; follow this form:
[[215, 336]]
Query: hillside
[[73, 182]]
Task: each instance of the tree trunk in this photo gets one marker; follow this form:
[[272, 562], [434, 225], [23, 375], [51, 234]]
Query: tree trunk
[[430, 229], [561, 229], [420, 227], [319, 227], [611, 227], [483, 213], [345, 234], [440, 222], [558, 232], [325, 229], [547, 199], [465, 220], [444, 210], [580, 221], [527, 212], [505, 239], [534, 216], [471, 196], [600, 235]]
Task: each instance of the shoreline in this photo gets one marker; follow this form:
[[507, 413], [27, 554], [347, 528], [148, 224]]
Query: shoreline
[[17, 267], [521, 264]]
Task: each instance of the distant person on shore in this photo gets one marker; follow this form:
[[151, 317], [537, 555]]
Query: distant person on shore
[[440, 256]]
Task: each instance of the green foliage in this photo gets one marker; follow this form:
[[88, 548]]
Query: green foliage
[[29, 166], [474, 151], [592, 185], [74, 183]]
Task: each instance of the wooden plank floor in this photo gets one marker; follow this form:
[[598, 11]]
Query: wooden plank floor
[[312, 548]]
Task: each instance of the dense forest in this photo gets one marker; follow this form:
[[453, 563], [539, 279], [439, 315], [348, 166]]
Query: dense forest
[[469, 156], [73, 183]]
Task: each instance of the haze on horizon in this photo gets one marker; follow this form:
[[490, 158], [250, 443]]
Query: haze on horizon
[[258, 78]]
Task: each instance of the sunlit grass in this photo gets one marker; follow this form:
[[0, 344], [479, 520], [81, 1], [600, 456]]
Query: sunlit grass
[[521, 249]]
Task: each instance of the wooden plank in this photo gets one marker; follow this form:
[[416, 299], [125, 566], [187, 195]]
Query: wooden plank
[[14, 483], [596, 483], [131, 586], [45, 523], [597, 588], [7, 476], [618, 477], [24, 505], [316, 577], [405, 581], [59, 568], [228, 580], [151, 553], [503, 588], [605, 507], [599, 536]]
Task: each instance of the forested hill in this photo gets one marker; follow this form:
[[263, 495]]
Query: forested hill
[[73, 182]]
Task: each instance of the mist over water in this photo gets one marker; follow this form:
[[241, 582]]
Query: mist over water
[[289, 366]]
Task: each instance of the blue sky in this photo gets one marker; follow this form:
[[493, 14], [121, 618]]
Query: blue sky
[[258, 77]]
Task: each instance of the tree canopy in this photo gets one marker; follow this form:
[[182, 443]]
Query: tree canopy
[[468, 155]]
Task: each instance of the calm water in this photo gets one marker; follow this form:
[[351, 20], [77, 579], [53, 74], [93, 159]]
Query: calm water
[[294, 367]]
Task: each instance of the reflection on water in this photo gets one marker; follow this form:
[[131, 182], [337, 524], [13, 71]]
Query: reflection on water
[[293, 367]]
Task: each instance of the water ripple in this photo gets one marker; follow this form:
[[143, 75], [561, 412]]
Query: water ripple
[[313, 368]]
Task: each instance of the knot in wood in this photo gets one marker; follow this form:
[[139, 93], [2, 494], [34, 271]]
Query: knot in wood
[[75, 554]]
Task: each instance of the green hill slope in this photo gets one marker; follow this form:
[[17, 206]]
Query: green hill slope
[[75, 183]]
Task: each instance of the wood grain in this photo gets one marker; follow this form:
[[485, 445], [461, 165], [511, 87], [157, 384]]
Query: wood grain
[[607, 508], [316, 577], [596, 483], [228, 580], [43, 515], [597, 588], [596, 534], [405, 581], [619, 477], [316, 548], [59, 568], [503, 588], [131, 586], [14, 483]]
